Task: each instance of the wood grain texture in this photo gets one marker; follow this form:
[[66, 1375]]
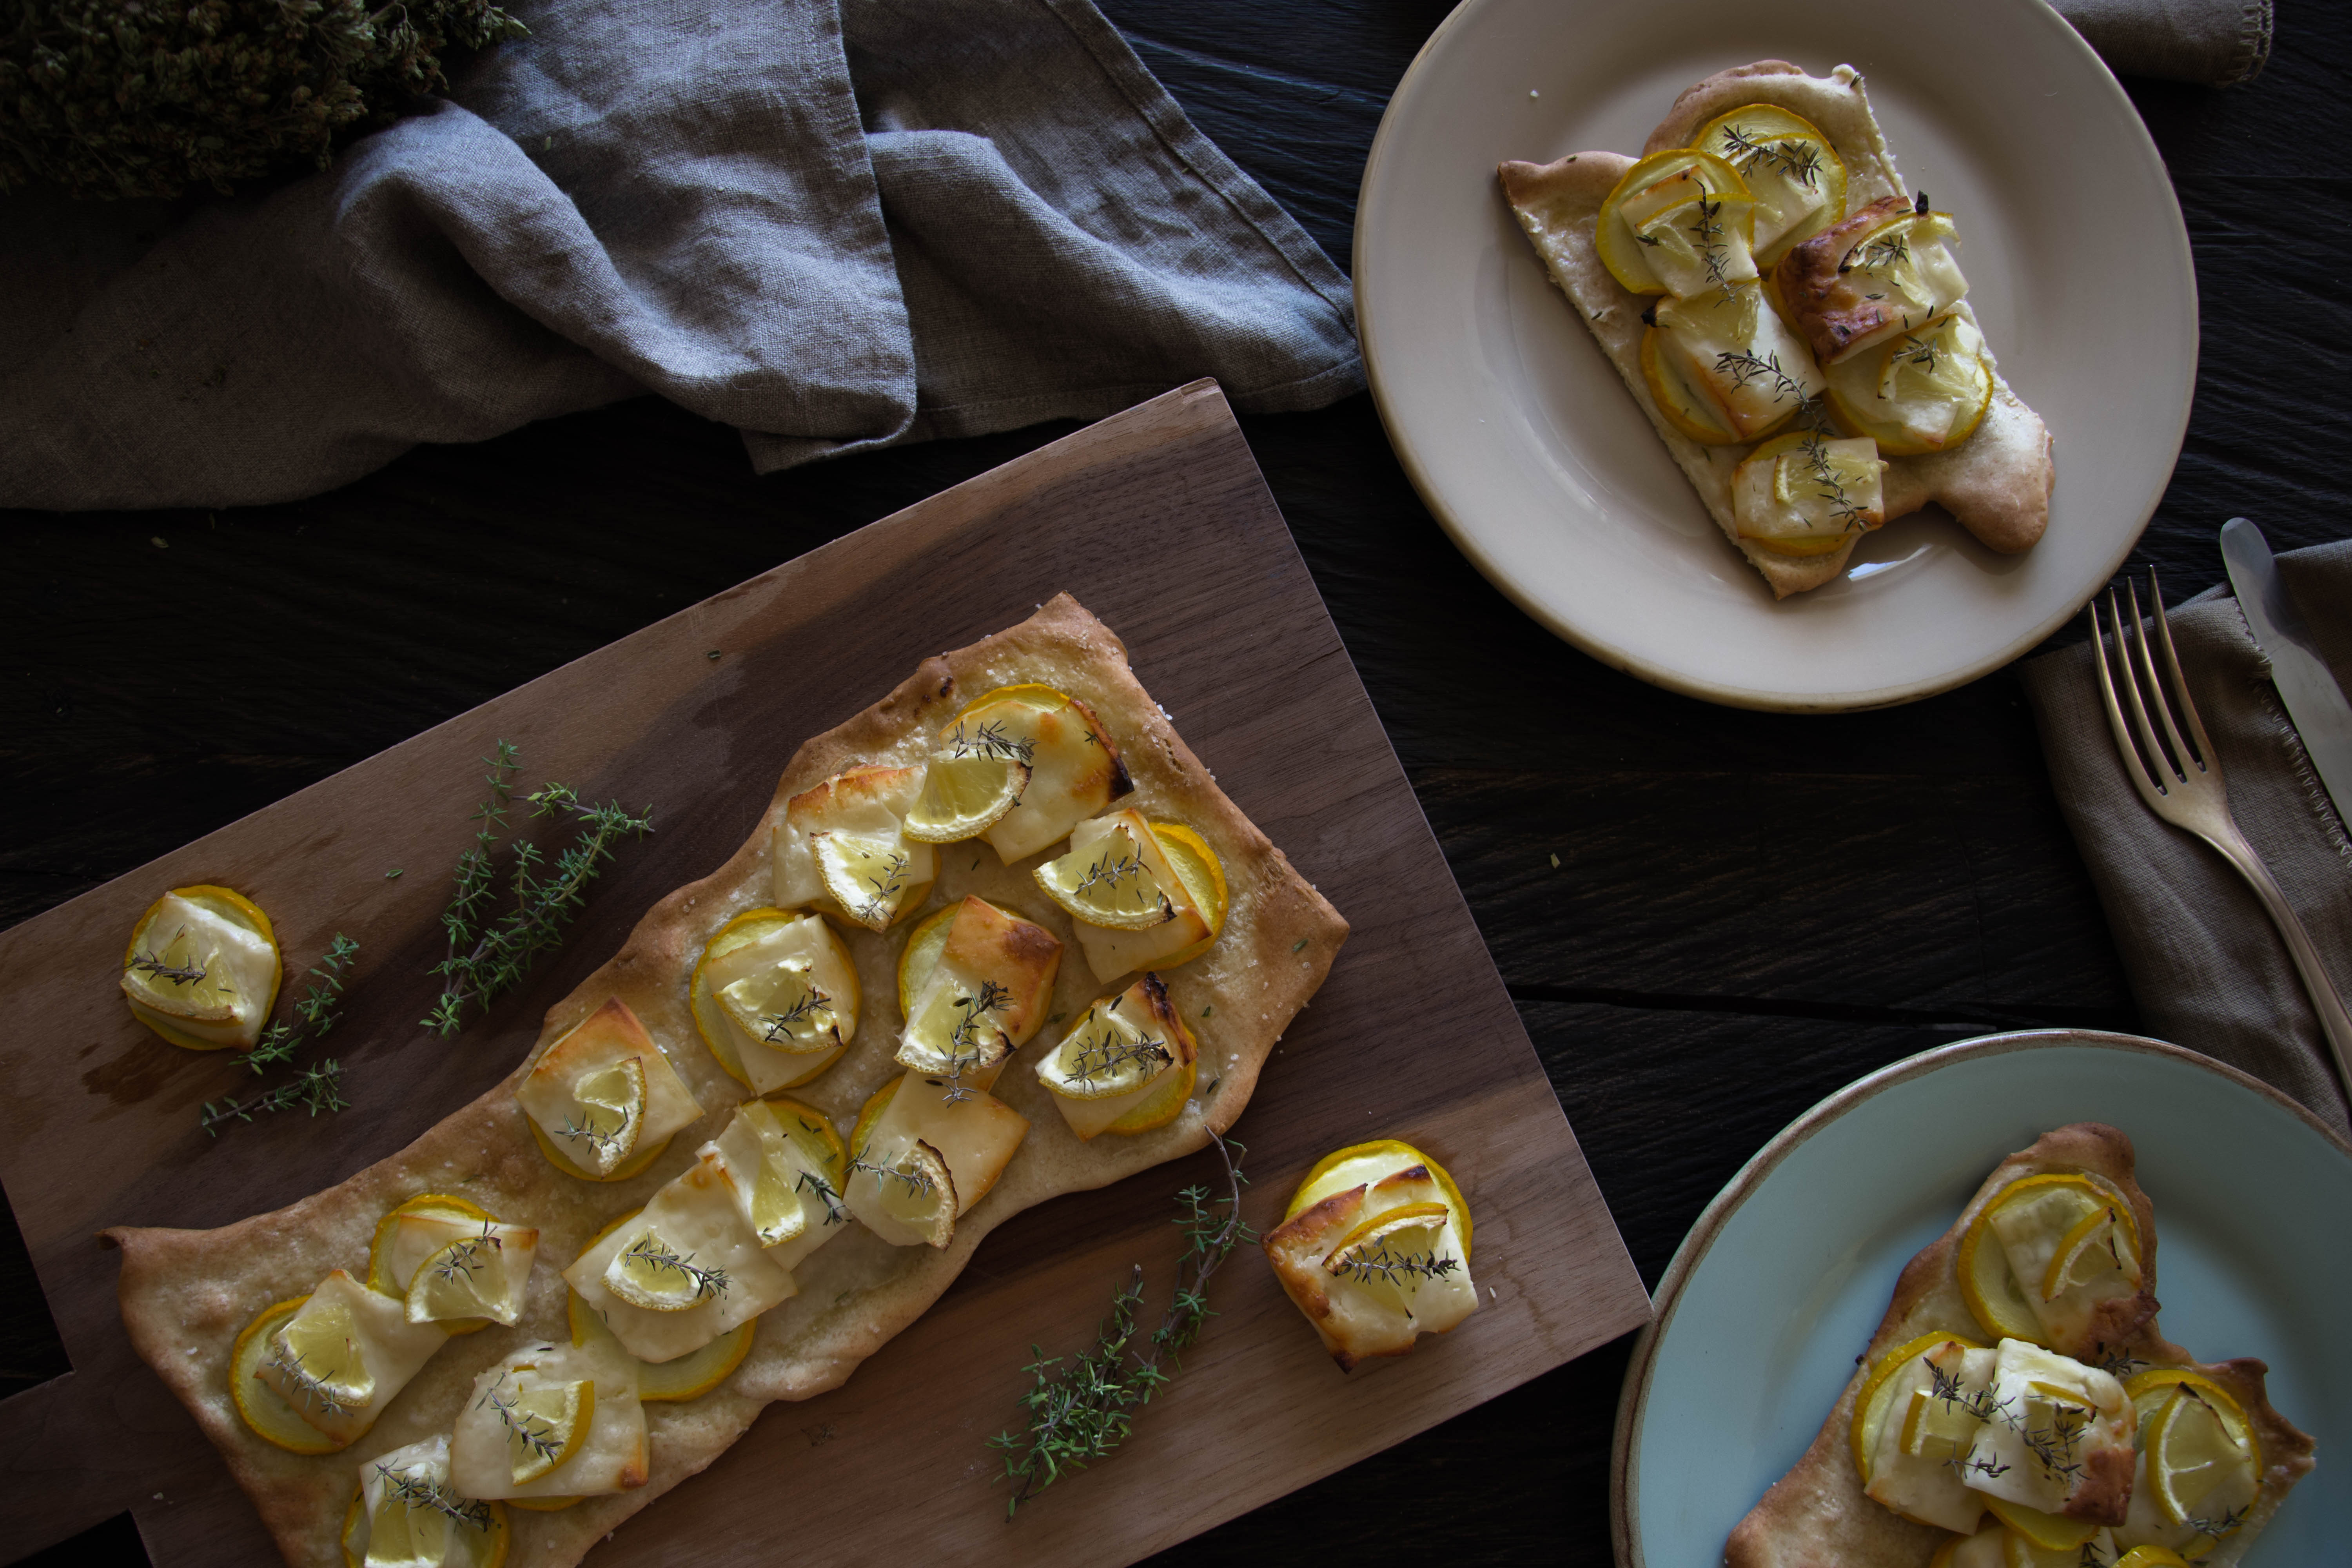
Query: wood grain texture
[[1223, 627]]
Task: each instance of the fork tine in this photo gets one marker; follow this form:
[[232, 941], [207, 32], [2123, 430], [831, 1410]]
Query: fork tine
[[2182, 763], [2180, 682], [2158, 762], [2130, 754]]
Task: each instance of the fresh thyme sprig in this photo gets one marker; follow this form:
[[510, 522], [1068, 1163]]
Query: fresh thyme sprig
[[316, 1009], [1395, 1267], [919, 1181], [1112, 1053], [1743, 367], [426, 1494], [990, 740], [489, 959], [1083, 1413], [892, 878], [809, 1181], [185, 975], [1803, 165], [537, 1432], [310, 1387], [599, 1138], [706, 1281], [466, 1256], [800, 1012], [319, 1088], [1111, 869]]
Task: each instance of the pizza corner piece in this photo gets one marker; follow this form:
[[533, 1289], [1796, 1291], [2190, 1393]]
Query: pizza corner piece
[[1793, 320], [2018, 1406], [998, 937]]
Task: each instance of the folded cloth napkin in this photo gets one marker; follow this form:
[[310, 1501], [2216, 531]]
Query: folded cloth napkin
[[833, 224], [2220, 42], [2205, 964]]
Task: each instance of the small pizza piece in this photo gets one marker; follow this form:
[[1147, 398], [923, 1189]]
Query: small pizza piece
[[550, 1422], [1915, 1424], [2056, 1258], [683, 1269], [845, 840], [1809, 494], [2200, 1468], [1074, 766], [2060, 1445], [1886, 270], [1678, 222], [785, 1165], [1135, 908], [202, 969], [1729, 351], [986, 991], [776, 999], [1376, 1264], [690, 1376], [408, 1515], [452, 1263], [1924, 390], [604, 1100], [1127, 1064], [911, 1134], [342, 1357], [1796, 177]]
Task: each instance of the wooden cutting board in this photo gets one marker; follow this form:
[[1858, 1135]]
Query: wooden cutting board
[[1159, 522]]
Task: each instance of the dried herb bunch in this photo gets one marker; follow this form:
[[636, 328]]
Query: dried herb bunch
[[487, 959], [1085, 1412], [145, 98]]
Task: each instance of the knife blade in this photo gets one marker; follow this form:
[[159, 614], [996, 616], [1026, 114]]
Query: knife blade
[[2305, 684]]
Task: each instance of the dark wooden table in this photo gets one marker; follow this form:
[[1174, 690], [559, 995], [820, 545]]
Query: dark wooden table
[[1747, 912]]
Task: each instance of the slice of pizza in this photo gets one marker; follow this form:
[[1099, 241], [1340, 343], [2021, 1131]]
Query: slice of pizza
[[767, 1134], [2018, 1404], [1793, 320]]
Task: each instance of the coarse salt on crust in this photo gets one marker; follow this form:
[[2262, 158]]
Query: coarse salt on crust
[[187, 1294]]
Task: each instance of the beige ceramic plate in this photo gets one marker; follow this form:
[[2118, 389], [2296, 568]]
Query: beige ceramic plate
[[1522, 439]]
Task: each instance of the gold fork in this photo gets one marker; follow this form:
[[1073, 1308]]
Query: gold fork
[[2185, 788]]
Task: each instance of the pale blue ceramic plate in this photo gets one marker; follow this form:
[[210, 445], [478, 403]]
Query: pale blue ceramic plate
[[1787, 1274]]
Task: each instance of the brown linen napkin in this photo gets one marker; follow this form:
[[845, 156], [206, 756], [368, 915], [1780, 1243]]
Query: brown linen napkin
[[2205, 964], [2221, 42]]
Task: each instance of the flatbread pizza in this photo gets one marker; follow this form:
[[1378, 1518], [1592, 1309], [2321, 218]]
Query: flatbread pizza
[[189, 1296]]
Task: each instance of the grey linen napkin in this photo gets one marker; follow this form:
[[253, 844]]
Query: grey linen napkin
[[2221, 42], [2205, 964], [833, 224]]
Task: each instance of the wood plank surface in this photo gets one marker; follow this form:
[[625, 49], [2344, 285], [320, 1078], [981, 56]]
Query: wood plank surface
[[1223, 624], [361, 618]]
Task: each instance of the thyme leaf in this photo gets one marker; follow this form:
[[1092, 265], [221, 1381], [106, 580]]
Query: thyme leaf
[[487, 959]]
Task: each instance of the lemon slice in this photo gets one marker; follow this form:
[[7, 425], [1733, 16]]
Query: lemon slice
[[1162, 1105], [1685, 409], [1202, 875], [1925, 391], [1365, 1254], [1808, 494], [651, 1273], [1109, 1053], [1936, 1428], [1365, 1163], [545, 1424], [919, 1192], [690, 1376], [1872, 1406], [1991, 1289], [604, 1132], [264, 1411], [968, 788], [319, 1351], [2065, 1230], [1797, 180], [2152, 1556], [2094, 1245], [1659, 183], [921, 955], [202, 968], [752, 946], [2204, 1461], [870, 878], [783, 1009], [1074, 768], [2051, 1532], [2019, 1551], [1108, 883], [468, 1280]]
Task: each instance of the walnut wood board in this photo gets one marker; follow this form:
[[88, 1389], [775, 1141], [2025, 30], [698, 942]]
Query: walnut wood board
[[1159, 522]]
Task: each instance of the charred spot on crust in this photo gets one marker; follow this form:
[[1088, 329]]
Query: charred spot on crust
[[2103, 1492]]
